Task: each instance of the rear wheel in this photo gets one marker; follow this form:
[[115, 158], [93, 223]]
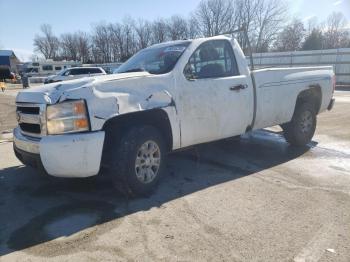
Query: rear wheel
[[140, 159], [300, 130]]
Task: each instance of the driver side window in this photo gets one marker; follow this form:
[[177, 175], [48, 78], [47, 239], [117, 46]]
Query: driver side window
[[212, 59]]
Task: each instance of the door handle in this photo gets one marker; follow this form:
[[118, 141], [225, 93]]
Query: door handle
[[238, 87]]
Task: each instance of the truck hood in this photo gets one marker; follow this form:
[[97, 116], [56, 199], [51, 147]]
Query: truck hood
[[51, 93]]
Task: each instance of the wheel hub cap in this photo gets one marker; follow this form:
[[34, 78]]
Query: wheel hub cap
[[306, 122], [147, 162]]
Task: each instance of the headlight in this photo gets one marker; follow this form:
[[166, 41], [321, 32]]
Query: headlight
[[67, 117]]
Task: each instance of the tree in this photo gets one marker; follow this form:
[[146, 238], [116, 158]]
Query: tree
[[215, 16], [311, 24], [69, 46], [335, 35], [117, 41], [193, 27], [177, 28], [270, 19], [101, 48], [144, 33], [263, 19], [83, 41], [313, 41], [47, 44], [159, 31], [290, 39], [130, 40]]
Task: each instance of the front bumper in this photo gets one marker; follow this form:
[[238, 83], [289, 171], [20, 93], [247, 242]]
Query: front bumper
[[29, 159], [70, 155]]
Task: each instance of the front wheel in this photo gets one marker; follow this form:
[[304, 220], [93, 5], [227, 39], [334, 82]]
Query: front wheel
[[300, 130], [140, 159]]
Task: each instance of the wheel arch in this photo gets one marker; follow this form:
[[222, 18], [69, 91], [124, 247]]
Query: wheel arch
[[116, 127], [311, 95]]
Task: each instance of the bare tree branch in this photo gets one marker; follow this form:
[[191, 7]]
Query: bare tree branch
[[290, 39], [47, 43]]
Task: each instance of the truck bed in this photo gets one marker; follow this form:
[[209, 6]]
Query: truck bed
[[277, 90]]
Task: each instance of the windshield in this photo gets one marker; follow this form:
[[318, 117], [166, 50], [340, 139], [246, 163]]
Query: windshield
[[155, 60], [31, 70], [61, 72]]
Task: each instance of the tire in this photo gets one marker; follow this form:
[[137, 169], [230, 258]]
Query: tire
[[300, 130], [134, 162]]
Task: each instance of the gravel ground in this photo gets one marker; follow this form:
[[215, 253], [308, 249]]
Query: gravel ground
[[7, 107], [256, 199], [7, 113]]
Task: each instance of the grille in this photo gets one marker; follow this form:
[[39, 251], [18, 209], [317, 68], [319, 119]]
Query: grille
[[31, 119], [29, 110], [30, 128]]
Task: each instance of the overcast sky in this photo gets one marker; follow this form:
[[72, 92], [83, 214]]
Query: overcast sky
[[21, 20]]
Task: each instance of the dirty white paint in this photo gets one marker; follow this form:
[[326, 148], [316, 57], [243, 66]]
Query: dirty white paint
[[199, 111], [278, 89], [73, 155]]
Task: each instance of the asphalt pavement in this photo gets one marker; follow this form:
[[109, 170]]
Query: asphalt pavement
[[254, 199]]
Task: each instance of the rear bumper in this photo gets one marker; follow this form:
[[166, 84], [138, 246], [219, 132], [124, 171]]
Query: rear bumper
[[331, 104], [71, 155]]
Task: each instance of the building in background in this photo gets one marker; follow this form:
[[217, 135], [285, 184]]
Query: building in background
[[8, 61]]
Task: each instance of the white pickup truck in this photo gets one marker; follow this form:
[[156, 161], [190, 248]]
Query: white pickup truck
[[169, 96]]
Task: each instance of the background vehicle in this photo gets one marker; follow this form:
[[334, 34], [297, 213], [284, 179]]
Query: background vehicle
[[166, 97], [108, 67], [74, 73], [47, 67]]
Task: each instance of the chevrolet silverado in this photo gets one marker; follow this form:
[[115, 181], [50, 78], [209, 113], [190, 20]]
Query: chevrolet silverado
[[166, 97]]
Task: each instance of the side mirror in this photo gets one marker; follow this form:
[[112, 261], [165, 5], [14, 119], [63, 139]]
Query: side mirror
[[189, 72]]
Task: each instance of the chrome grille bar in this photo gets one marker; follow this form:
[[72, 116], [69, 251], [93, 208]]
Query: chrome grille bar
[[26, 118]]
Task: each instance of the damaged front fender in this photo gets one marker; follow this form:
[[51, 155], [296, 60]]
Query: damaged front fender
[[108, 99]]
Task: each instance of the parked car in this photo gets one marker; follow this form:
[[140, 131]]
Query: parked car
[[74, 73], [166, 97]]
